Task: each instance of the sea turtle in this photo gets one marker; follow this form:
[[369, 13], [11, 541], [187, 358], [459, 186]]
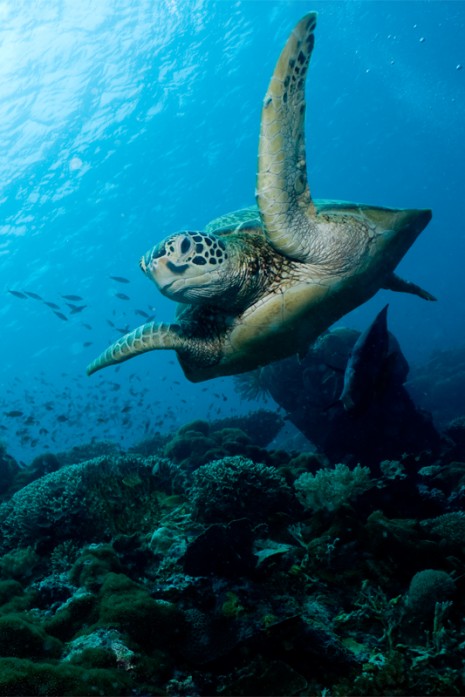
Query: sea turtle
[[263, 282]]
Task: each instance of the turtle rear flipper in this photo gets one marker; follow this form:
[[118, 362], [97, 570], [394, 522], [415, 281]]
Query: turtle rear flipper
[[148, 337], [401, 286]]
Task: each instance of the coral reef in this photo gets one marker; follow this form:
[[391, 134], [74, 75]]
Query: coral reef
[[207, 564], [86, 501], [9, 470], [198, 442]]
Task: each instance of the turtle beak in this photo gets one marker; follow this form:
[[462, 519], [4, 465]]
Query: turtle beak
[[160, 271], [156, 269], [147, 262]]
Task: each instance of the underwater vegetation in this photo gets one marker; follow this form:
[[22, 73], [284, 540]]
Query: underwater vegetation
[[207, 561]]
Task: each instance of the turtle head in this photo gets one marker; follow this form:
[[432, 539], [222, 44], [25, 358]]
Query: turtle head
[[189, 267]]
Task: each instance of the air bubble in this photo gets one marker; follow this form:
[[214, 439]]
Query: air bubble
[[75, 163]]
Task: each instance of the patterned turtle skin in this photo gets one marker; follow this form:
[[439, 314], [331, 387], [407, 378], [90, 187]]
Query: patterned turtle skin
[[262, 283]]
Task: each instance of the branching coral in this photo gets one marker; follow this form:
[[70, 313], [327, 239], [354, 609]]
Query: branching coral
[[330, 489], [251, 386]]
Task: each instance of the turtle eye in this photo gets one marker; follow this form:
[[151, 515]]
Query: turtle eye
[[185, 245]]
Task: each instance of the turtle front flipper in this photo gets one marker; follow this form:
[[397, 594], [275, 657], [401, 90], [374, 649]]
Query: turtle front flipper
[[147, 337], [283, 195]]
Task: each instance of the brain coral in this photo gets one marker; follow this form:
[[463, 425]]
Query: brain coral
[[235, 487]]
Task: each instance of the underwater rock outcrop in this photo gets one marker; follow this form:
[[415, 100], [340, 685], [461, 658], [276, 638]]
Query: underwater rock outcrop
[[439, 385], [9, 469], [309, 389], [456, 432]]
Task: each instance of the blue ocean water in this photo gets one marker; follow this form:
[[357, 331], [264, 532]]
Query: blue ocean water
[[121, 123]]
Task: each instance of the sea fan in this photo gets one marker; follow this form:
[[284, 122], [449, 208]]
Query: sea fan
[[251, 386]]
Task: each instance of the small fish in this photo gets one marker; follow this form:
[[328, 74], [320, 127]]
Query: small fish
[[14, 413], [72, 297], [60, 315], [18, 294], [122, 330], [142, 313], [122, 296], [120, 279], [87, 343], [87, 326], [52, 305], [62, 418], [32, 295], [76, 308], [112, 324]]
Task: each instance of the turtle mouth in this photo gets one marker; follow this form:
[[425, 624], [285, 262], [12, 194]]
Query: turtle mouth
[[186, 289], [176, 268], [200, 288], [164, 272]]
